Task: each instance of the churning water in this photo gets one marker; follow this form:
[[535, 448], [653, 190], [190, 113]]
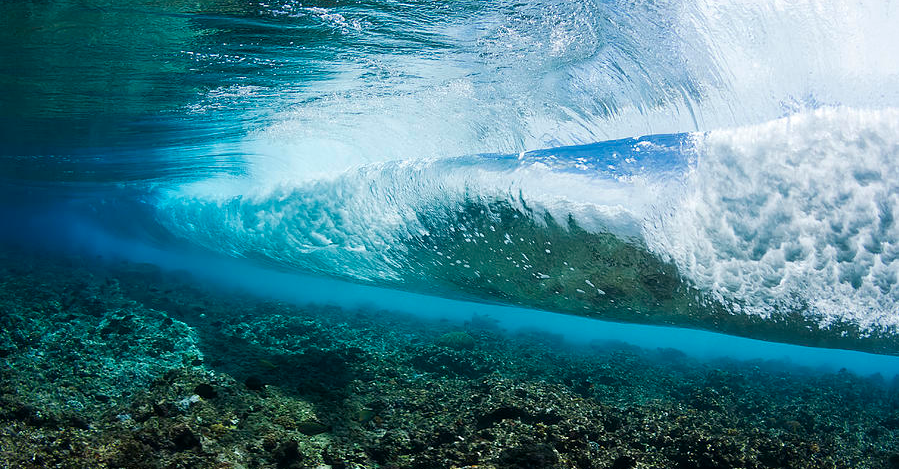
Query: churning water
[[730, 166]]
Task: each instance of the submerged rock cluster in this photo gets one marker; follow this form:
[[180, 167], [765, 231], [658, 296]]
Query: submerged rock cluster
[[118, 365]]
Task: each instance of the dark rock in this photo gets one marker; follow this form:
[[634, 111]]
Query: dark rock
[[891, 422], [312, 387], [529, 457], [500, 414], [607, 380], [184, 438], [311, 427], [254, 383], [393, 444], [287, 455], [514, 413], [28, 414], [719, 454], [94, 307], [773, 455], [206, 391], [624, 462], [339, 459], [612, 423], [164, 409], [134, 455], [444, 437], [78, 421], [119, 326], [451, 362]]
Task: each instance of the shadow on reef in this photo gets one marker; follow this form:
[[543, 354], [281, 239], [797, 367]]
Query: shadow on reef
[[321, 375], [268, 346]]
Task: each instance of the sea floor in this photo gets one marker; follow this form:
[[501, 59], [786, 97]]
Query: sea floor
[[110, 364]]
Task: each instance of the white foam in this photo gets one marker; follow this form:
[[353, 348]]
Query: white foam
[[517, 76], [796, 212]]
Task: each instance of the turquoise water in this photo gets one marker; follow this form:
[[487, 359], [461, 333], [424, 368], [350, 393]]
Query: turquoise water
[[728, 167], [576, 332]]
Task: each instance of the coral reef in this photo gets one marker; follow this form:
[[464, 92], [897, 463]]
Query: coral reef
[[117, 365]]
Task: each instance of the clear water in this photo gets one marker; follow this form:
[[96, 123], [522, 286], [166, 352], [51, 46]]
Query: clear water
[[722, 166]]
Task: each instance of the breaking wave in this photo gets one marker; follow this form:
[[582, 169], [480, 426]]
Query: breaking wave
[[485, 149], [780, 226]]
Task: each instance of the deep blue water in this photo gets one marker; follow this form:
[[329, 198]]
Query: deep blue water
[[721, 166]]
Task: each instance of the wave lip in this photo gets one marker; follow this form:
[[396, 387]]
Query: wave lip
[[358, 221]]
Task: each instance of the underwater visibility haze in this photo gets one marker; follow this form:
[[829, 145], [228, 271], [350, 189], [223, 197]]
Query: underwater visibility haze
[[730, 165]]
